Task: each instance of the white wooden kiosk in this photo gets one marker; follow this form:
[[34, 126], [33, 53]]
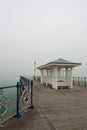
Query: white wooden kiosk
[[58, 73]]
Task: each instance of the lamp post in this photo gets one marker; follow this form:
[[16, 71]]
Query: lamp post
[[35, 70]]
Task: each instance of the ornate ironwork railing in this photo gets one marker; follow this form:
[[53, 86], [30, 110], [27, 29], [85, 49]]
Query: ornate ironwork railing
[[18, 99], [79, 81]]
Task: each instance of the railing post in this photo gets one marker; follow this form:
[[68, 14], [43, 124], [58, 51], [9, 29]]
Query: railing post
[[31, 84], [28, 87], [79, 81], [17, 106], [28, 84], [85, 81], [73, 81]]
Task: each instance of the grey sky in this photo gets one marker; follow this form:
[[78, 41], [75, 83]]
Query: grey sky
[[43, 30]]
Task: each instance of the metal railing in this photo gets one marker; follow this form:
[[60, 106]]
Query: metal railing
[[80, 81], [17, 99]]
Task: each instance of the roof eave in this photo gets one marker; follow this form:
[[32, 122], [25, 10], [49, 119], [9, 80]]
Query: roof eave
[[62, 64]]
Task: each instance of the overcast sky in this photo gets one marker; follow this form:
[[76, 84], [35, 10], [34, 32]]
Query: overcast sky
[[42, 30]]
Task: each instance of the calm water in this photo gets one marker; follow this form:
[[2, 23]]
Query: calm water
[[10, 93], [8, 80]]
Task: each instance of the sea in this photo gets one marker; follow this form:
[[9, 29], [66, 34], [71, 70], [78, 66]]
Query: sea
[[10, 93]]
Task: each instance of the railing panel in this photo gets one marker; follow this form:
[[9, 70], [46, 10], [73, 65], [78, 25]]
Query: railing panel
[[15, 99], [79, 81], [7, 103]]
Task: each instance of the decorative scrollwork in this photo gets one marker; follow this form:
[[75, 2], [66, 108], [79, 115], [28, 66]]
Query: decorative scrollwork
[[25, 96], [3, 105]]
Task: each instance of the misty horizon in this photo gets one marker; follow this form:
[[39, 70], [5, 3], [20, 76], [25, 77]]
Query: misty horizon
[[42, 31]]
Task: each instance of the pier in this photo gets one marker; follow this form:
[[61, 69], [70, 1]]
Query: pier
[[62, 109]]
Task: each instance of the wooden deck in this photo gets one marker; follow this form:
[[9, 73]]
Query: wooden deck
[[62, 109]]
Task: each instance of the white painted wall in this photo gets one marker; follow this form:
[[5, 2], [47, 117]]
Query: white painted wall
[[55, 78]]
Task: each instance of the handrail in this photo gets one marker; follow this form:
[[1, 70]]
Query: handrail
[[7, 87]]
